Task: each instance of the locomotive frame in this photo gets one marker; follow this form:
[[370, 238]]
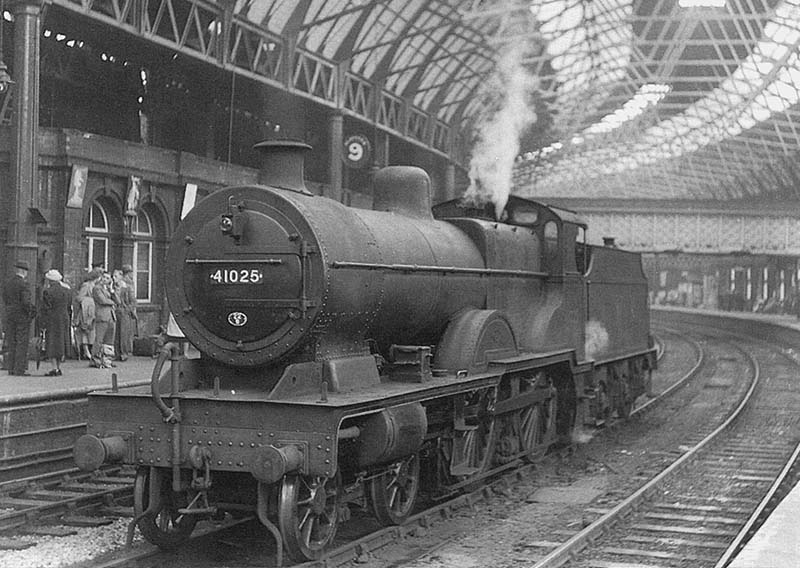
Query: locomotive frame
[[376, 368]]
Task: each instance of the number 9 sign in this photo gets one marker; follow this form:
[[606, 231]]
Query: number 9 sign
[[357, 151]]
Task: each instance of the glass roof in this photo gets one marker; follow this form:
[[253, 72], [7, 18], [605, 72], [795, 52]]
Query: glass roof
[[633, 98]]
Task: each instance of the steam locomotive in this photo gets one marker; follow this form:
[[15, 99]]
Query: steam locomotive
[[351, 357]]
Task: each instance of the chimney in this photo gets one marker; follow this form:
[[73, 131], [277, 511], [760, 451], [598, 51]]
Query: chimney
[[609, 242], [405, 190], [282, 164]]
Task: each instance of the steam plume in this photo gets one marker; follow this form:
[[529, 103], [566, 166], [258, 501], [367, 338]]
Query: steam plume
[[498, 134], [596, 339]]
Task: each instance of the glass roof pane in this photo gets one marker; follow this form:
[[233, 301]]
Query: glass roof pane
[[763, 85], [326, 36], [384, 24], [413, 51], [320, 9], [272, 14]]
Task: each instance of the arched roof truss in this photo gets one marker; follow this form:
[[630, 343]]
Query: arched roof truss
[[635, 98]]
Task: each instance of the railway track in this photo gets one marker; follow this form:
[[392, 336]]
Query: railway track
[[68, 500], [694, 509]]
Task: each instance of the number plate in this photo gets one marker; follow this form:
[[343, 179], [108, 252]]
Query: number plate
[[236, 276]]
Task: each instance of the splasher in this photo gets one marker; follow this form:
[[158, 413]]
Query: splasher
[[497, 143]]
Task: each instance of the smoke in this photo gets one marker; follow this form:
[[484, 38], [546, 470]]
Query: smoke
[[582, 435], [498, 134], [596, 339]]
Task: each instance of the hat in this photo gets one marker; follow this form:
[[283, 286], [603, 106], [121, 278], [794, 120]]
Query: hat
[[53, 275], [94, 274], [127, 268], [22, 264]]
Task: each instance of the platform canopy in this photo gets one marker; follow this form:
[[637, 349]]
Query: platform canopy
[[644, 98]]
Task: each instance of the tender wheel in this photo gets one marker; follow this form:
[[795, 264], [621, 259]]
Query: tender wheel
[[603, 405], [163, 526], [624, 404], [537, 426], [393, 493], [308, 514]]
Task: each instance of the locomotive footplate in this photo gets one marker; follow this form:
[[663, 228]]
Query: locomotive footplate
[[230, 427]]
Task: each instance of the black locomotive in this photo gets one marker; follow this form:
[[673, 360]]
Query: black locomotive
[[349, 357]]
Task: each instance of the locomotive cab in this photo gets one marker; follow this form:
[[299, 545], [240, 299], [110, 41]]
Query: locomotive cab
[[557, 229]]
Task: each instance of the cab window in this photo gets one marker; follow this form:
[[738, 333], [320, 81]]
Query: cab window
[[550, 248], [581, 251]]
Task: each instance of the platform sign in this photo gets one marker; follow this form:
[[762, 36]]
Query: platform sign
[[357, 151]]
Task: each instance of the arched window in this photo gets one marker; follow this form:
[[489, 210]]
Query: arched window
[[97, 236], [143, 235]]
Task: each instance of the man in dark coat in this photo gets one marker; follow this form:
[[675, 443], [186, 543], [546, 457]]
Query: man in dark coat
[[19, 313]]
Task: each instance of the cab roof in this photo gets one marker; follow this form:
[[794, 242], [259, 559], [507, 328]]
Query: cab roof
[[518, 211]]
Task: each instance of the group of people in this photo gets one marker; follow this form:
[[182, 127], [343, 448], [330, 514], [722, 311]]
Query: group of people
[[102, 314], [105, 316]]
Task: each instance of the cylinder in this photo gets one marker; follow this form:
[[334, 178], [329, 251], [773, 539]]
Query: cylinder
[[392, 434]]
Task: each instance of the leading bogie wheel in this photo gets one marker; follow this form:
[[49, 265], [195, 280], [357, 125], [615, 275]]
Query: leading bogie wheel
[[308, 514], [164, 526], [624, 405], [393, 493]]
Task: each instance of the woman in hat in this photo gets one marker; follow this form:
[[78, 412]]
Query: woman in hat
[[83, 315], [56, 303]]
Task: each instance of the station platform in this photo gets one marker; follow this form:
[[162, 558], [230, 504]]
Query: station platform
[[777, 542], [782, 320], [78, 379]]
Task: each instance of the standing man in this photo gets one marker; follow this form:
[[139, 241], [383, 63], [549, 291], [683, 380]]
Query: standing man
[[19, 313], [126, 314], [105, 302]]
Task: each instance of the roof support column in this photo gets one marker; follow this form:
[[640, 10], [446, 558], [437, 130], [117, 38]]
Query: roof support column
[[335, 141], [21, 242]]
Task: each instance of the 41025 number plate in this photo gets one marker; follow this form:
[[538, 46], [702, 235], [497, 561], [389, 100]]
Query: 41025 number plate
[[236, 276]]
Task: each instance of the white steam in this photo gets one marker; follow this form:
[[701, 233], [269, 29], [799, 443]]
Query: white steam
[[582, 435], [596, 339], [498, 134]]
